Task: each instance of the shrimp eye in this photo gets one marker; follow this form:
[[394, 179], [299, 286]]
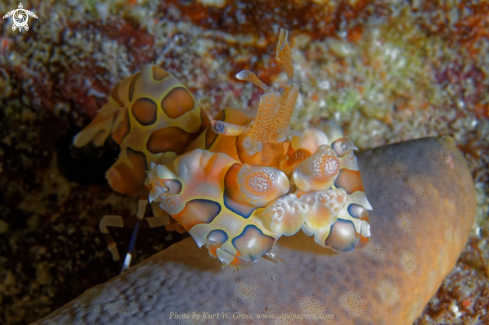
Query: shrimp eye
[[218, 127]]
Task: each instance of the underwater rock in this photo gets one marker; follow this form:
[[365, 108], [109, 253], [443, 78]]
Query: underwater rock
[[424, 203]]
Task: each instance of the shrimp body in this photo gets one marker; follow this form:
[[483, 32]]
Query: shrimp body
[[239, 182]]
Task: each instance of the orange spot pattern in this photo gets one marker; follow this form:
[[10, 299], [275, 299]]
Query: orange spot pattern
[[177, 102], [171, 138], [144, 110], [349, 180]]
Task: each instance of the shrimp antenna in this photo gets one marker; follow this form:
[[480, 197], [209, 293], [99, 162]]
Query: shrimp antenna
[[140, 215]]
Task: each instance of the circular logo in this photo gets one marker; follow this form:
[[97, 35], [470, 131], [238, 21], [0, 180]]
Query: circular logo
[[20, 17]]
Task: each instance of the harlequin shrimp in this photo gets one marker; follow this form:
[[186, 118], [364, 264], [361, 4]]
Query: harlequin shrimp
[[239, 182]]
